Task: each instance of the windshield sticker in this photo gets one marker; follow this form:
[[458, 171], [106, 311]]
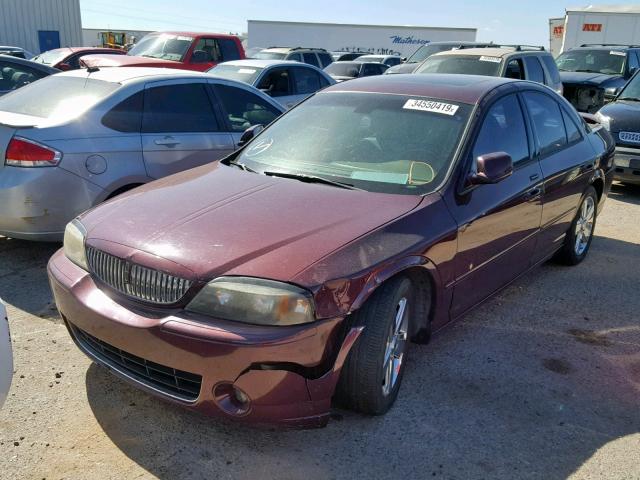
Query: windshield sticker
[[484, 58], [246, 70], [429, 106], [617, 52], [260, 147], [399, 178], [186, 39]]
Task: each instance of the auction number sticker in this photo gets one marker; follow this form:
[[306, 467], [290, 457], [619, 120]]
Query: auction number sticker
[[617, 52], [430, 106], [484, 58]]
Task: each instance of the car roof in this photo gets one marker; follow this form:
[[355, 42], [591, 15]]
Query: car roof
[[604, 47], [28, 63], [259, 63], [480, 52], [129, 74], [456, 88], [194, 34], [290, 49]]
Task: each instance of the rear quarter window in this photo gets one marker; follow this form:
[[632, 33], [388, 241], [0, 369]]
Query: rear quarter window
[[126, 116]]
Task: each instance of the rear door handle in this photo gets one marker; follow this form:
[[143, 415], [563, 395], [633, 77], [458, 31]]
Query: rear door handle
[[167, 142]]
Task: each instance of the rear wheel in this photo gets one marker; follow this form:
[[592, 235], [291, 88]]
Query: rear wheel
[[580, 234], [372, 374]]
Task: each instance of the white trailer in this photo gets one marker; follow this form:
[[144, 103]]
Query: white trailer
[[556, 35], [382, 39], [601, 24]]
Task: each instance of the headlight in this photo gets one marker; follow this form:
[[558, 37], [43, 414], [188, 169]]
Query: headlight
[[604, 120], [74, 235], [254, 300]]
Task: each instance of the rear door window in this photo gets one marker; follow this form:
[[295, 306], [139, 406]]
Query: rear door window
[[547, 121], [311, 59], [228, 49], [535, 73], [126, 116], [307, 81], [243, 108], [325, 59], [178, 108], [503, 130]]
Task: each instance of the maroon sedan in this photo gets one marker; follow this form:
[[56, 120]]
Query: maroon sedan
[[297, 270], [68, 58]]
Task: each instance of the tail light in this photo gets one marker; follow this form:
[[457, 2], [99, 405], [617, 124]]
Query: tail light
[[27, 153]]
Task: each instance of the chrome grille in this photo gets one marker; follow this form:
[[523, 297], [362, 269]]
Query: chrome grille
[[134, 280]]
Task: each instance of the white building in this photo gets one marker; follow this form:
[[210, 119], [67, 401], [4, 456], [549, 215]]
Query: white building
[[384, 39], [40, 25]]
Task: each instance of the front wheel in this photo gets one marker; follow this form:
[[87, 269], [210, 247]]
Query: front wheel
[[371, 377], [580, 234]]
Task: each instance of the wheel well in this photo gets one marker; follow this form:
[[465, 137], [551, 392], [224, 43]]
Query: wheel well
[[598, 184], [123, 189], [425, 302]]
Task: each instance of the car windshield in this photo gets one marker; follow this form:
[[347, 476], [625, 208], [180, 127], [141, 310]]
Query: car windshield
[[468, 65], [610, 62], [632, 90], [52, 56], [57, 98], [375, 142], [246, 74], [343, 69], [164, 46], [270, 55], [426, 51]]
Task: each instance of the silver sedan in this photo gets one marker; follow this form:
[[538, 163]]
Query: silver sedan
[[75, 139]]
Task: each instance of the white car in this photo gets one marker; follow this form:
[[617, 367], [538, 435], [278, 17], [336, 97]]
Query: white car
[[6, 357], [287, 82]]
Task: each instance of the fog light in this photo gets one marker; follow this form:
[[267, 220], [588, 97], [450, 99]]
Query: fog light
[[231, 399]]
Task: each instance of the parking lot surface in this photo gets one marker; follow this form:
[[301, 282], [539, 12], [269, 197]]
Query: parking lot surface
[[542, 382]]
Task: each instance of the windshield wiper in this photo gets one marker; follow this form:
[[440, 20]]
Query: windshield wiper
[[241, 166], [633, 99], [311, 179]]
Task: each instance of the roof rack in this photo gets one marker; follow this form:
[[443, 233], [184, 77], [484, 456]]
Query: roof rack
[[521, 48], [609, 45], [300, 48]]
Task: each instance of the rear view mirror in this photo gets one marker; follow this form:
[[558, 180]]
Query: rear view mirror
[[249, 133], [492, 168]]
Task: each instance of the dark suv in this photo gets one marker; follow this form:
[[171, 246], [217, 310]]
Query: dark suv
[[594, 74]]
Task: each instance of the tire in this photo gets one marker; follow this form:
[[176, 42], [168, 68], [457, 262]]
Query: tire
[[580, 235], [372, 374]]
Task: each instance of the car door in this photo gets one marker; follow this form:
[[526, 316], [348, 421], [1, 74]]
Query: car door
[[567, 162], [497, 223], [242, 109], [277, 82], [180, 129]]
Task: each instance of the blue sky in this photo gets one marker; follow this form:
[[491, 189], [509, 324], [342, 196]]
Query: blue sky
[[499, 20]]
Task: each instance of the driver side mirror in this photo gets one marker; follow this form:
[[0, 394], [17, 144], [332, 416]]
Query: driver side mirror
[[492, 168], [199, 56], [249, 133]]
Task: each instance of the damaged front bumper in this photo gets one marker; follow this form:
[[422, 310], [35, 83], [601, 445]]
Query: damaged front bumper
[[256, 374]]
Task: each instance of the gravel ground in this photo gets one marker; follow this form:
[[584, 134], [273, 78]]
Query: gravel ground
[[542, 382]]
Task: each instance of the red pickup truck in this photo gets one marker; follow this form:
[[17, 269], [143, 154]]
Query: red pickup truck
[[184, 50]]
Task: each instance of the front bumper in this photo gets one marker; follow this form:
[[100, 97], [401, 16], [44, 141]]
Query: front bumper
[[37, 203], [288, 373], [627, 165]]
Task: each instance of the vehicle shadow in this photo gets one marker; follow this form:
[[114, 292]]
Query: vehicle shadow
[[625, 193], [530, 385], [23, 271]]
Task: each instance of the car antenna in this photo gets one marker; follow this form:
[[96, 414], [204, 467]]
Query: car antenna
[[92, 69]]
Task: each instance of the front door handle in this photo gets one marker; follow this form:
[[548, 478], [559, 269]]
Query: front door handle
[[167, 142], [534, 192]]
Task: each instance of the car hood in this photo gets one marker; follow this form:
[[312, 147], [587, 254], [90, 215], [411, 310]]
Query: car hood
[[218, 220], [588, 78], [123, 61], [402, 68], [624, 115]]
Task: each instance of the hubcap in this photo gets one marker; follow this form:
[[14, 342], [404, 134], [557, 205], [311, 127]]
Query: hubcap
[[584, 225], [394, 351]]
